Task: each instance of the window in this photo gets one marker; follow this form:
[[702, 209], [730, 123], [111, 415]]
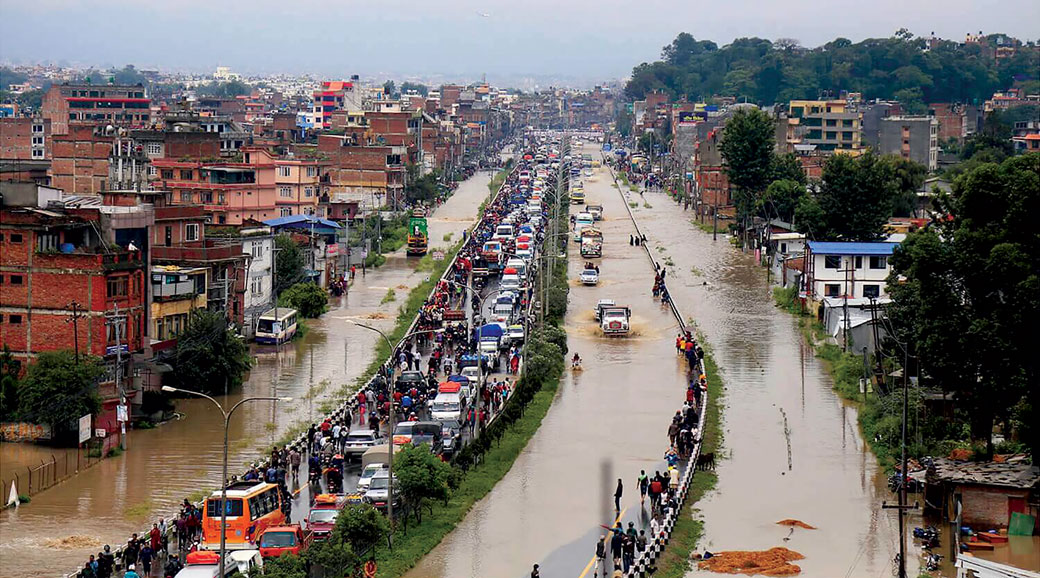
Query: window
[[186, 174], [285, 192], [152, 171], [206, 197], [878, 262], [220, 198], [37, 153], [831, 290], [185, 197], [832, 262], [859, 262], [14, 319], [191, 232], [116, 286], [16, 279], [284, 171], [16, 237], [46, 242], [832, 122], [154, 148], [285, 212], [831, 135], [846, 135], [256, 285], [312, 171], [308, 192], [167, 174], [872, 291], [37, 140], [37, 128]]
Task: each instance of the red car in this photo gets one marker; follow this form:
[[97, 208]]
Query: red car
[[280, 540]]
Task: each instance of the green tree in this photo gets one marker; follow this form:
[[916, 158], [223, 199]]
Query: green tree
[[9, 371], [129, 75], [416, 87], [786, 167], [781, 199], [964, 296], [362, 526], [57, 391], [853, 202], [287, 566], [389, 88], [421, 187], [623, 121], [288, 263], [908, 178], [421, 476], [306, 298], [228, 89], [209, 355], [747, 147], [333, 555]]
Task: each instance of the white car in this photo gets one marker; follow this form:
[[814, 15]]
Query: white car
[[589, 277], [588, 172], [366, 476]]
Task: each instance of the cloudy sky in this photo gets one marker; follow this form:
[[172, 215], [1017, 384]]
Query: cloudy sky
[[582, 39]]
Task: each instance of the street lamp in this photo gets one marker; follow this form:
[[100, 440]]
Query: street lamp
[[390, 417], [223, 483]]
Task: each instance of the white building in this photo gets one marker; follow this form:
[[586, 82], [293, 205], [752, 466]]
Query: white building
[[258, 243], [855, 270]]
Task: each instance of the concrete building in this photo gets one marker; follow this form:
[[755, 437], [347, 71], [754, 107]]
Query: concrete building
[[299, 186], [25, 138], [333, 96], [914, 138], [231, 192], [102, 104], [855, 270], [176, 293], [258, 243], [829, 125]]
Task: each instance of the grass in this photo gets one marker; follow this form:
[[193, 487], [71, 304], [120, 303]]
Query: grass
[[668, 261], [647, 205], [425, 263], [138, 511], [696, 271], [675, 560], [633, 204], [447, 237], [390, 296], [411, 546], [707, 227]]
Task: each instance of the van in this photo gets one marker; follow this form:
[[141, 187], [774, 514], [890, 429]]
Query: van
[[520, 265], [504, 231], [447, 406]]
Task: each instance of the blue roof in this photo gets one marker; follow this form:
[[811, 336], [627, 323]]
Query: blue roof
[[835, 248], [301, 221]]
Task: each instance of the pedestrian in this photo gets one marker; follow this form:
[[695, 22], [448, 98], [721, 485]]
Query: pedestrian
[[89, 569], [534, 572], [628, 548], [131, 572], [601, 557], [294, 462], [146, 556], [673, 478], [131, 551], [641, 541], [616, 542], [644, 484], [106, 561], [617, 495]]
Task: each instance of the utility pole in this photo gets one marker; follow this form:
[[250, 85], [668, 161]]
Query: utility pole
[[118, 321], [902, 507], [77, 312]]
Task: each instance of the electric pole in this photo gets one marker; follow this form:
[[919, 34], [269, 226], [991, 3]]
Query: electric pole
[[118, 321], [77, 312]]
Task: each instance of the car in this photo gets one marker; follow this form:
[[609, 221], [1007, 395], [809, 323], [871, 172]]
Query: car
[[516, 334], [589, 277], [403, 433], [600, 305], [366, 476], [472, 372], [588, 172], [379, 490], [410, 379], [321, 520], [206, 564], [451, 436], [360, 441]]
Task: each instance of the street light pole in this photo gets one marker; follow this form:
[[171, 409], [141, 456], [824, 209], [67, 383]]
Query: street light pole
[[223, 482]]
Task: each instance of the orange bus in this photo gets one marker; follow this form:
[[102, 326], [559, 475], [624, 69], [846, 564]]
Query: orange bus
[[251, 507]]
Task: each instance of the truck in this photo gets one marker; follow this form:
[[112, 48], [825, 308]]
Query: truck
[[418, 236], [492, 253], [595, 210], [280, 540], [591, 243], [615, 320]]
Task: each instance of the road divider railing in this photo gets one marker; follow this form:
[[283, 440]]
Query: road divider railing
[[645, 562]]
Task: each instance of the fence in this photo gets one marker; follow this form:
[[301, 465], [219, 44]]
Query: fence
[[646, 560], [49, 473]]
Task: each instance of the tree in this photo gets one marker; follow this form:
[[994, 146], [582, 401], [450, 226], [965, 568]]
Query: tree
[[421, 187], [9, 371], [57, 391], [421, 476], [964, 296], [129, 75], [853, 202], [908, 178], [334, 555], [286, 566], [389, 88], [288, 263], [415, 87], [781, 199], [306, 298], [228, 89], [363, 526], [9, 77], [209, 356], [747, 147], [786, 167]]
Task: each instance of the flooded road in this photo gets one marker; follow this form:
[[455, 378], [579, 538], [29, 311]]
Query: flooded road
[[830, 479], [182, 458], [607, 422]]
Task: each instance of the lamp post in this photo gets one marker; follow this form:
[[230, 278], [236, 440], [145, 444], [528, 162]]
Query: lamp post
[[390, 418], [223, 482], [480, 333]]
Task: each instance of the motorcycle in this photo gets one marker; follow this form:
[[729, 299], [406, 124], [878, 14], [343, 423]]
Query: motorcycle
[[933, 562]]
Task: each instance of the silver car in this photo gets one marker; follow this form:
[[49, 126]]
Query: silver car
[[360, 441]]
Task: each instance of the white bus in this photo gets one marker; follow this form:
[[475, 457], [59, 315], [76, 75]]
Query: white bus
[[276, 326]]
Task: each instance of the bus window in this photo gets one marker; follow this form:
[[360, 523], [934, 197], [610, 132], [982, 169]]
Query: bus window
[[234, 507]]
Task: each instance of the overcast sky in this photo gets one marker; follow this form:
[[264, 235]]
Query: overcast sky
[[584, 39]]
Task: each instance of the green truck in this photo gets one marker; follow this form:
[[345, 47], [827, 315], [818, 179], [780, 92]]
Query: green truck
[[418, 237]]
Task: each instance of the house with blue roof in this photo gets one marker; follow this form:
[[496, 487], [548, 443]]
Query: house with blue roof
[[852, 270], [326, 260]]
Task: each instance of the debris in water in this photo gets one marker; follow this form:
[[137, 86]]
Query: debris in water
[[772, 562], [72, 542], [376, 315], [799, 523]]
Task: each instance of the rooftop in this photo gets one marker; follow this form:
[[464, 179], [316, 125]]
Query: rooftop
[[840, 248], [1007, 474]]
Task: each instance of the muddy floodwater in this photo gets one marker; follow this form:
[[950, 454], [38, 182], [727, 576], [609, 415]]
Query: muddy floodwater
[[182, 458], [609, 421]]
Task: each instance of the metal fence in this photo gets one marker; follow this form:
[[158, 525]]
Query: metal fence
[[49, 472]]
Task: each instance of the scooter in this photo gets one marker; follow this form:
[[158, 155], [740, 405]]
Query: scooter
[[933, 562]]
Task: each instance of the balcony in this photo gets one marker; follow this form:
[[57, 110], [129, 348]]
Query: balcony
[[205, 252], [179, 290]]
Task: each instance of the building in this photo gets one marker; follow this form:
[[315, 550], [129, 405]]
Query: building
[[830, 125], [25, 138], [915, 138], [987, 493], [853, 270], [321, 238], [956, 121], [370, 174], [299, 186], [176, 293], [333, 96], [231, 192], [258, 243], [103, 104]]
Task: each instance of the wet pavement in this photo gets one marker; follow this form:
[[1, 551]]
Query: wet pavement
[[182, 458], [830, 479], [607, 422]]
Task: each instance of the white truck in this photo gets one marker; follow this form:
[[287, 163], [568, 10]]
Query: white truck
[[615, 320]]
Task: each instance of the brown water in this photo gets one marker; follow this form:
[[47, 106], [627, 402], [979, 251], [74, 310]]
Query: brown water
[[610, 420], [163, 466]]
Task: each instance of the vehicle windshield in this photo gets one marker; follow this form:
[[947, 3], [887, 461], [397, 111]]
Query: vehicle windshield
[[278, 540], [371, 469], [450, 425], [404, 427], [589, 272], [323, 516], [356, 438], [445, 406], [379, 483]]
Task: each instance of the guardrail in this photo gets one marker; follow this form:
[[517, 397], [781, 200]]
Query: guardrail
[[646, 560]]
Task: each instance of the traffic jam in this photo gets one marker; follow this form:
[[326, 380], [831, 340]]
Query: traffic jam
[[451, 374]]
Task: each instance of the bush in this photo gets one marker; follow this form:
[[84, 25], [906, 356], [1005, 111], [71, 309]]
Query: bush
[[306, 298]]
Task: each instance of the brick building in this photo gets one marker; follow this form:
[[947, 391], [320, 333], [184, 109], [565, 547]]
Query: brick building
[[25, 138], [333, 96], [369, 174], [117, 105], [231, 192], [79, 159]]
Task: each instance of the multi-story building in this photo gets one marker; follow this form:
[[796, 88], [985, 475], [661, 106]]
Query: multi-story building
[[372, 175], [855, 270], [80, 157], [299, 186], [25, 138], [956, 121], [176, 293], [258, 244], [335, 95], [104, 104], [914, 138], [827, 125], [231, 192]]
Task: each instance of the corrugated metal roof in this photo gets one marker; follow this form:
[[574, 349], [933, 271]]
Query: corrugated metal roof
[[301, 219], [837, 248]]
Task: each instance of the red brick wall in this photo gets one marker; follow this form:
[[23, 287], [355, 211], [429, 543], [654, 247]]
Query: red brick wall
[[191, 145], [987, 506], [16, 138], [56, 109], [79, 162]]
